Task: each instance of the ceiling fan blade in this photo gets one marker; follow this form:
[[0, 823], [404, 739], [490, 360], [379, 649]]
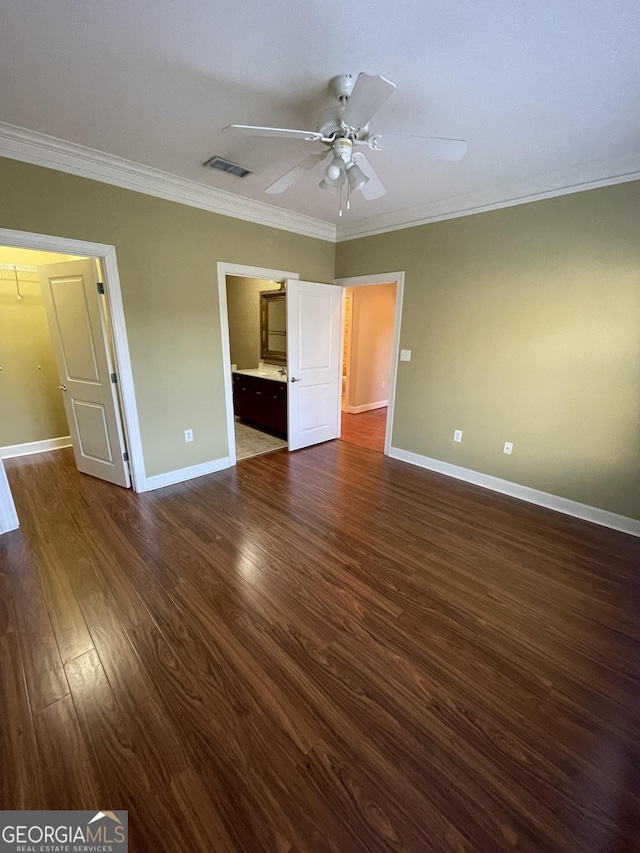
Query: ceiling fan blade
[[289, 178], [373, 188], [368, 95], [438, 147], [278, 132]]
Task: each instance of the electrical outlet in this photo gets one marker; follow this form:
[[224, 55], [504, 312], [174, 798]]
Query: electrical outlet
[[188, 435], [405, 355], [508, 447], [457, 435]]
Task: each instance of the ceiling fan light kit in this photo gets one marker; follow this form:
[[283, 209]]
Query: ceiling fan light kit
[[356, 177], [341, 129]]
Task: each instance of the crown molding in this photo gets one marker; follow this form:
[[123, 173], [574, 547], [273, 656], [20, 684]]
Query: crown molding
[[576, 178], [29, 146]]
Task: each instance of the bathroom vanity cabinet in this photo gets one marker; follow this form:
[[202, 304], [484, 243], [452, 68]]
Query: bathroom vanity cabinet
[[261, 401]]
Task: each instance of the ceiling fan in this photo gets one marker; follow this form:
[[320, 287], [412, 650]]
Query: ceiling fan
[[342, 130]]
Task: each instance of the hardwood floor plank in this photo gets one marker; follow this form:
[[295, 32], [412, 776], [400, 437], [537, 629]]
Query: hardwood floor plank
[[58, 545], [41, 659], [340, 712], [128, 777], [7, 619], [108, 730], [366, 429], [20, 769], [68, 776], [192, 805], [320, 652], [134, 692]]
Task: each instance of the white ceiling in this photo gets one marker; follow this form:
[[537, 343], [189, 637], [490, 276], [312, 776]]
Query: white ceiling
[[544, 91]]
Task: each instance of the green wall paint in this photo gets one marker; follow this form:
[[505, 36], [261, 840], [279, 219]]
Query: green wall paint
[[243, 310], [524, 326], [167, 255]]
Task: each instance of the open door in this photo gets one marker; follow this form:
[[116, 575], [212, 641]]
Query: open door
[[314, 355], [79, 335]]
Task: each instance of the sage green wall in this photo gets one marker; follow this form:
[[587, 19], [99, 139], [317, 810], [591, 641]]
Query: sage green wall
[[243, 308], [524, 326], [167, 255]]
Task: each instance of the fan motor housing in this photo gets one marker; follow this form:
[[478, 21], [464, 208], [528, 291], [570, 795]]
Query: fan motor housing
[[330, 124], [342, 86]]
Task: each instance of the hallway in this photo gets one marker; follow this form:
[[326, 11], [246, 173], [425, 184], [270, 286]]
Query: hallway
[[365, 429]]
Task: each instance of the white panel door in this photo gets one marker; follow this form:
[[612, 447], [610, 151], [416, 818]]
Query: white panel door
[[314, 354], [79, 336]]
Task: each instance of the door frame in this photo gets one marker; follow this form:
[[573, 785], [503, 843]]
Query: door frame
[[396, 278], [242, 271], [115, 310]]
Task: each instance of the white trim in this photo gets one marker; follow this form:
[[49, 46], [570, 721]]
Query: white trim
[[28, 146], [578, 178], [107, 255], [126, 388], [396, 278], [159, 481], [367, 407], [8, 516], [31, 447], [243, 271], [578, 510]]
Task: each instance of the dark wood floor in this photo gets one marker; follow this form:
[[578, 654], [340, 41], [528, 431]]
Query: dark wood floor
[[328, 651], [365, 429]]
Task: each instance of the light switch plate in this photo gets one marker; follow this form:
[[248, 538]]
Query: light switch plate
[[405, 355]]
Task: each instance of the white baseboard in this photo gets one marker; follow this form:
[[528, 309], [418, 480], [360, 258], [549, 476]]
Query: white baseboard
[[181, 474], [368, 407], [30, 447], [578, 510]]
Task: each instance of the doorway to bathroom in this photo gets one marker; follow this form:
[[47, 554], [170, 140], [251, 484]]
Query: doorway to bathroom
[[314, 330], [313, 357], [256, 310]]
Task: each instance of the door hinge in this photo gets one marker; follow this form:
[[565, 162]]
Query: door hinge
[[100, 287], [114, 378], [125, 456]]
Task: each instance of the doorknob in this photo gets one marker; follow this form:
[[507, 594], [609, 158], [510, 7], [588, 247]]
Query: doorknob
[[62, 387], [293, 379]]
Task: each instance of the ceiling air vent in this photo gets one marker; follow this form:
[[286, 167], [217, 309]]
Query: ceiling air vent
[[223, 165]]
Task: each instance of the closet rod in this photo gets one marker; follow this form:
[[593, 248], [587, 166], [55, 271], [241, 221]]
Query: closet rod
[[18, 268]]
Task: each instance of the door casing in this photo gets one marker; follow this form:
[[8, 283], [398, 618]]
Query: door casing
[[242, 271], [225, 269], [107, 255]]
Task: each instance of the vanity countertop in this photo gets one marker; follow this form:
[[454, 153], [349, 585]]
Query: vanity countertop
[[263, 373]]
